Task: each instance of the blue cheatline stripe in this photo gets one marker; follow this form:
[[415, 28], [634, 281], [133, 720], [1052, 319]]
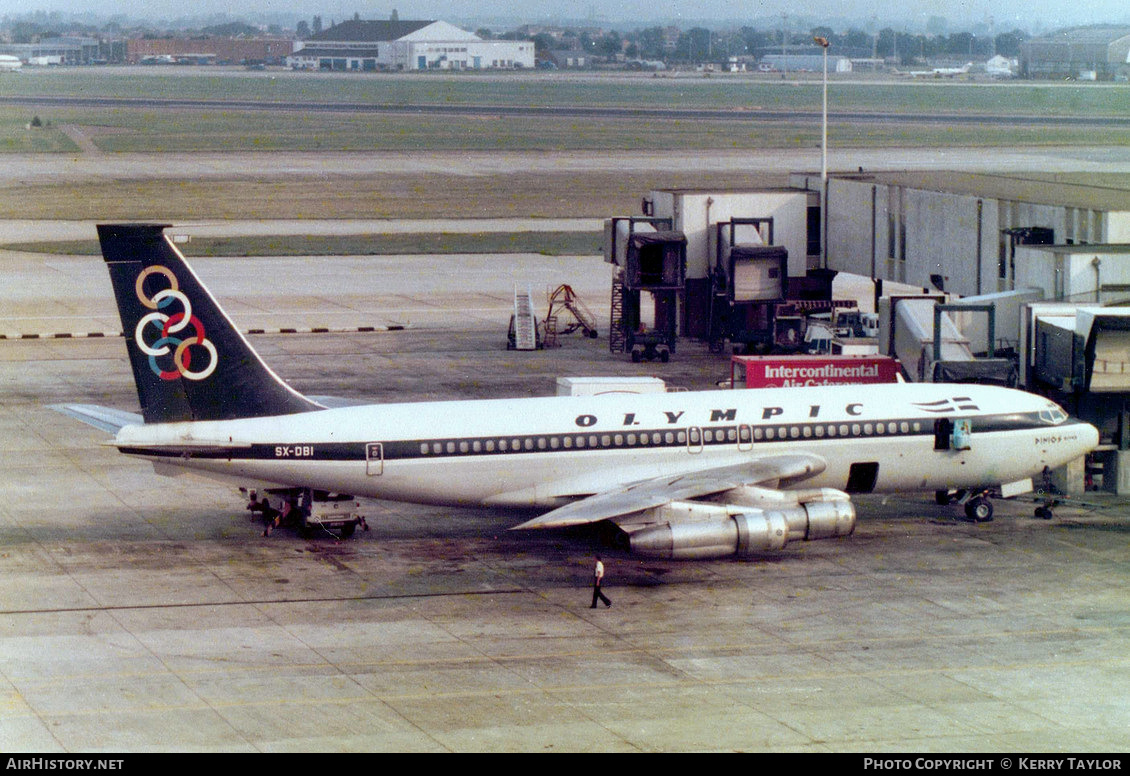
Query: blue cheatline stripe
[[714, 437]]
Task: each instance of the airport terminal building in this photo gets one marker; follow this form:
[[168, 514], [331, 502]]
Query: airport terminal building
[[365, 46], [961, 228]]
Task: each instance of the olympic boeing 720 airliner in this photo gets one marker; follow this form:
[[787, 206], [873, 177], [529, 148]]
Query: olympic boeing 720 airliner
[[683, 475]]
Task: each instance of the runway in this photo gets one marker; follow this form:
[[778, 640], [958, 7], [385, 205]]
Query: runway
[[41, 169], [143, 613]]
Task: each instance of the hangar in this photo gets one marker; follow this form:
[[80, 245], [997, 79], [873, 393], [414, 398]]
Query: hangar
[[396, 44], [1086, 53], [67, 50]]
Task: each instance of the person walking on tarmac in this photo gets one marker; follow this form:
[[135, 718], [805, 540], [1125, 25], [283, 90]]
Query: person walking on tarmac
[[598, 575]]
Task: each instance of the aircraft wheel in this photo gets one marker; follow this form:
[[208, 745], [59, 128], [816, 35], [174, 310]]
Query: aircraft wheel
[[942, 497], [979, 509]]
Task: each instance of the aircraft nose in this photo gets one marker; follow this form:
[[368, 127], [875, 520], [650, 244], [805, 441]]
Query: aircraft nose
[[1090, 437]]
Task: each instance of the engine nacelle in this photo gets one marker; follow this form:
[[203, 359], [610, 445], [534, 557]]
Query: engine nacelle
[[828, 520], [695, 531]]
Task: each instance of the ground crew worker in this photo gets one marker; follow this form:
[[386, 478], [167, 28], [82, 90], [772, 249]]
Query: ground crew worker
[[598, 575]]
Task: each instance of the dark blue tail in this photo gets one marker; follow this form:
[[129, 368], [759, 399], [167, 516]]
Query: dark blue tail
[[189, 361]]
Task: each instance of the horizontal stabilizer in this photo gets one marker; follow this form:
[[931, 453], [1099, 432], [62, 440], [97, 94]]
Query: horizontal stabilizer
[[334, 402], [105, 418]]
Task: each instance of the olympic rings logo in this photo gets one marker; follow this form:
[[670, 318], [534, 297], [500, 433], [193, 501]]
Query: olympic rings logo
[[168, 325]]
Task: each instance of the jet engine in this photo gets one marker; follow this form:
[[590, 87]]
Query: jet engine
[[697, 530]]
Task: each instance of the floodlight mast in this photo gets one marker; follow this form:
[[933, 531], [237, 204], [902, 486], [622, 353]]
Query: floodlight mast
[[823, 43]]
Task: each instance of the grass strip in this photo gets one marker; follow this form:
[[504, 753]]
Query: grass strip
[[546, 243]]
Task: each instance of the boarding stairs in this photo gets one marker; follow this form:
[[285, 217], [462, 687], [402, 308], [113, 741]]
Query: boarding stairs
[[617, 338], [565, 301], [525, 326]]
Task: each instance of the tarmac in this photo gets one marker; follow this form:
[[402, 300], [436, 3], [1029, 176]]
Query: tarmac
[[145, 613]]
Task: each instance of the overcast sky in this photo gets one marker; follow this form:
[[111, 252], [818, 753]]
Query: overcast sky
[[1005, 14]]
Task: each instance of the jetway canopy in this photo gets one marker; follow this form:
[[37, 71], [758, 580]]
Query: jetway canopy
[[995, 371], [1088, 351], [1106, 350], [757, 272], [656, 260], [932, 348]]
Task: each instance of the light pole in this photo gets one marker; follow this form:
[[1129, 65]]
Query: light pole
[[823, 43]]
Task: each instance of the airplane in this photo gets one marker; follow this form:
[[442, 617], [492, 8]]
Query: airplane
[[9, 63], [942, 72], [684, 475]]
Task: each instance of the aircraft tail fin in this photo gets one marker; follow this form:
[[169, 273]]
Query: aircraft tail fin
[[189, 361]]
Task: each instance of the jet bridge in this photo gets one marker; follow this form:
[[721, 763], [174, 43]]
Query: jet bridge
[[709, 303], [651, 261], [747, 286], [920, 332], [1080, 358]]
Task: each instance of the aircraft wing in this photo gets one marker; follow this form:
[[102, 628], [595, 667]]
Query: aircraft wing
[[646, 494], [104, 418]]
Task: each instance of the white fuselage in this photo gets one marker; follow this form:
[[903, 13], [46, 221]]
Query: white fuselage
[[546, 451]]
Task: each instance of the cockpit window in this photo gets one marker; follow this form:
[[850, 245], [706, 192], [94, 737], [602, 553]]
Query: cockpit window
[[1053, 415]]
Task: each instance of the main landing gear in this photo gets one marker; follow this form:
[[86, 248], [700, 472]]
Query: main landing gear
[[978, 507]]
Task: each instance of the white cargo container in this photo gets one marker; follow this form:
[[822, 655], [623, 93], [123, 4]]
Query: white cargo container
[[594, 386]]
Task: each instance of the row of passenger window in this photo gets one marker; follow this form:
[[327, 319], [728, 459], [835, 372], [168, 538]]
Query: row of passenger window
[[567, 442], [694, 437], [820, 430]]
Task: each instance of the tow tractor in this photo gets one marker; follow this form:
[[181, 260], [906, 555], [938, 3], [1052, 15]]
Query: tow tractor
[[649, 345], [334, 512], [308, 510]]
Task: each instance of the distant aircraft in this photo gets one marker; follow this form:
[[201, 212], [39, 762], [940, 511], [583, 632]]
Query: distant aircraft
[[681, 475], [9, 63], [941, 72]]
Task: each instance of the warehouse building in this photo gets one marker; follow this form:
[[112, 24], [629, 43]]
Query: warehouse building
[[1086, 53], [958, 230], [359, 46], [65, 50], [812, 63], [209, 50]]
